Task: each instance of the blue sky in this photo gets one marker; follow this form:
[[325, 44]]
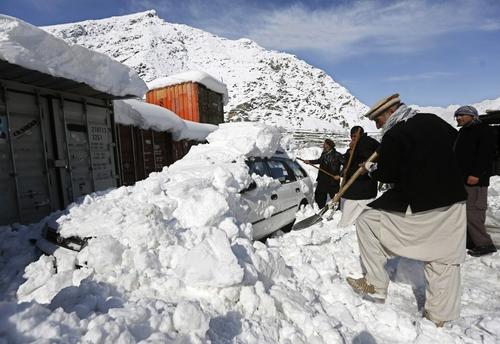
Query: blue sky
[[431, 52]]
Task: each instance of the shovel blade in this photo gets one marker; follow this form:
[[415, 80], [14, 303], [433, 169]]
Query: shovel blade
[[307, 222]]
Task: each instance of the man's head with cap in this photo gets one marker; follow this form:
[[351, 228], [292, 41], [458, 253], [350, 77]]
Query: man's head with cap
[[383, 109], [465, 114]]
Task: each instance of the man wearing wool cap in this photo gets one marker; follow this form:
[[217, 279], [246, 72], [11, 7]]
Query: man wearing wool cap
[[422, 216], [475, 149]]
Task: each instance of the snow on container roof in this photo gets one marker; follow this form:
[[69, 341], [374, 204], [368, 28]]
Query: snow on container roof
[[192, 76], [195, 131], [149, 116], [146, 116], [25, 45]]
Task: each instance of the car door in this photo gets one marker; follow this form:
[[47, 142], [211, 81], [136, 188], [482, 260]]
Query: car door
[[287, 194], [304, 188], [260, 199]]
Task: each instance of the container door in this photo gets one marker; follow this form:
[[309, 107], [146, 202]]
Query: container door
[[127, 153], [102, 147], [161, 149], [84, 148], [27, 191]]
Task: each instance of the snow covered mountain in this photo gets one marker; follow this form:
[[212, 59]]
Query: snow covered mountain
[[265, 86], [448, 112]]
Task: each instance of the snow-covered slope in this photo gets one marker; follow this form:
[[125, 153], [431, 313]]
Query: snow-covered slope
[[447, 112], [266, 86]]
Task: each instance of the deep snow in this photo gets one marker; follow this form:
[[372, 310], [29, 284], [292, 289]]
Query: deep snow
[[33, 48], [172, 261]]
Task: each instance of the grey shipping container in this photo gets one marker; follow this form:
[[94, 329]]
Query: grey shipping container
[[55, 146]]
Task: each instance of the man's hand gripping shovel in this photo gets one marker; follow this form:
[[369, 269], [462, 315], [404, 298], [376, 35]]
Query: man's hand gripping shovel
[[311, 220]]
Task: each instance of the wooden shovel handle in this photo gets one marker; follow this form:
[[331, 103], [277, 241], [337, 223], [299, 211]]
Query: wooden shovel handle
[[351, 180], [322, 170], [351, 154]]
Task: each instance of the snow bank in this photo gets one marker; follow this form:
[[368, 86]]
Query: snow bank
[[149, 116], [177, 237], [192, 76], [171, 261], [33, 48]]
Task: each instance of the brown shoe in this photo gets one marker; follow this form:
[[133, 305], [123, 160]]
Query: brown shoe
[[368, 291], [438, 323]]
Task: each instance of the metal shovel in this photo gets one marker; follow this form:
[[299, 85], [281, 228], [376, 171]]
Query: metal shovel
[[311, 220]]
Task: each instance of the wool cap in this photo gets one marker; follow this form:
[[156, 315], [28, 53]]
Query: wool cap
[[467, 110], [382, 105]]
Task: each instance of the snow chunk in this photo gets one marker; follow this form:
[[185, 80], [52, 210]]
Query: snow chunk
[[249, 139], [188, 317], [211, 263], [192, 76], [30, 47]]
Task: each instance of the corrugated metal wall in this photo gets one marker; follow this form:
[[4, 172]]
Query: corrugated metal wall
[[191, 101], [53, 149], [144, 151], [181, 99]]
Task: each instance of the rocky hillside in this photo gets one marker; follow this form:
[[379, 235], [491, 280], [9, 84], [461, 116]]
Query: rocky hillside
[[265, 86]]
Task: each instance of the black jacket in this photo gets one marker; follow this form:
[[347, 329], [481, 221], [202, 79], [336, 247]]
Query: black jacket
[[364, 187], [331, 162], [417, 157], [475, 148]]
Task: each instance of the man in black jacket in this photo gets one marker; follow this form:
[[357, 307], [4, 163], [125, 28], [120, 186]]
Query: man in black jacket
[[475, 148], [330, 161], [422, 216], [364, 188]]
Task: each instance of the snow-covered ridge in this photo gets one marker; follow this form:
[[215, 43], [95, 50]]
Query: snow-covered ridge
[[192, 76], [447, 113], [28, 46], [264, 86]]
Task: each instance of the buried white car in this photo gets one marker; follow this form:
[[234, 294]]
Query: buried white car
[[279, 188], [273, 205]]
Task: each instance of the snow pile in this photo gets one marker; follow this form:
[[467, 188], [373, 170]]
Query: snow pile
[[33, 48], [194, 76], [174, 237], [149, 116], [171, 261]]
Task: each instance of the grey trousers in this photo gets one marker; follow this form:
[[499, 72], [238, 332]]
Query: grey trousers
[[477, 203], [443, 287]]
